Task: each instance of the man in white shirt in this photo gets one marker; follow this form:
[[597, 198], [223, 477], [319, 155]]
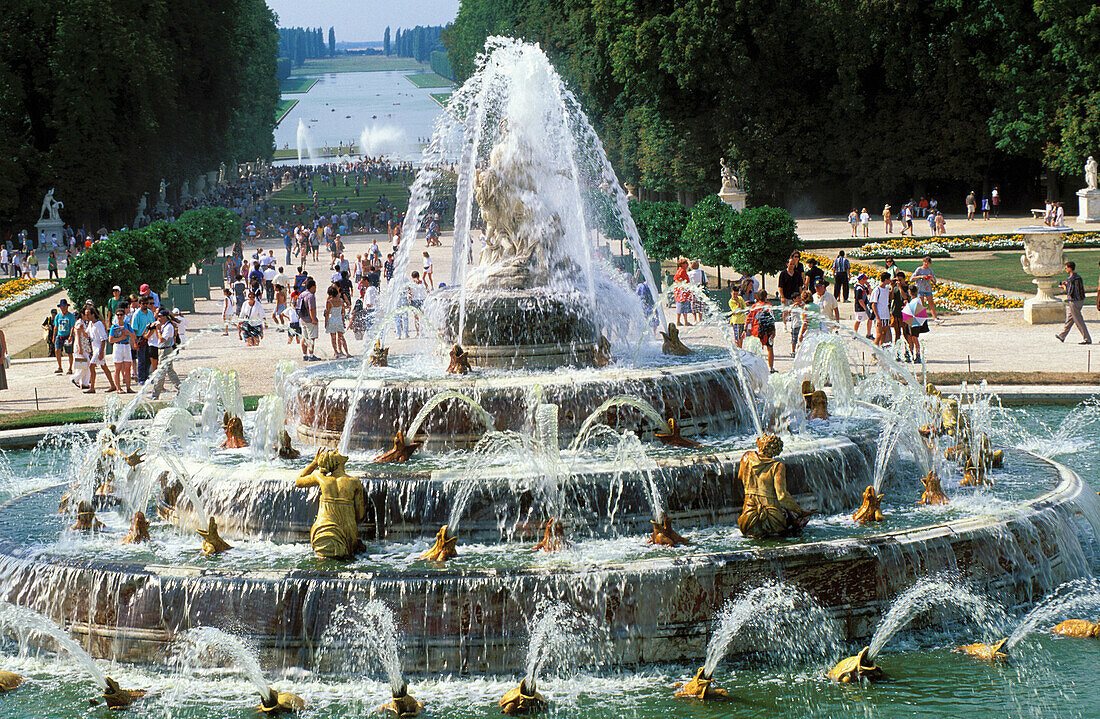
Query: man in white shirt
[[251, 319], [830, 310], [879, 304], [269, 282]]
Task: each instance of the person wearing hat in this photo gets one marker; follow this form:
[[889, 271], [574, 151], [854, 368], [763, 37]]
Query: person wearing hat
[[888, 219], [161, 343], [142, 322], [145, 291], [117, 300], [863, 314], [63, 324]]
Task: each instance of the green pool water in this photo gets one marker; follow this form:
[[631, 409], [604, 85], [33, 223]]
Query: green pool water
[[1047, 677]]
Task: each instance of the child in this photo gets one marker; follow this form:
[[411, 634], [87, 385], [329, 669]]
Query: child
[[762, 322], [229, 312], [798, 303], [294, 333], [738, 313]]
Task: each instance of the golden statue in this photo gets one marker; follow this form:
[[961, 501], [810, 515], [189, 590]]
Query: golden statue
[[856, 668], [973, 475], [277, 702], [769, 511], [9, 681], [664, 535], [286, 448], [807, 391], [379, 355], [672, 437], [603, 355], [523, 699], [460, 361], [671, 344], [335, 533], [988, 652], [234, 432], [933, 491], [118, 698], [85, 519], [139, 530], [1079, 628], [819, 405], [403, 704], [401, 450], [699, 687], [870, 510], [444, 547], [212, 542], [553, 537]]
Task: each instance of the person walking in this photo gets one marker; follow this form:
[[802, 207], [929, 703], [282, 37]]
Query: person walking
[[142, 320], [168, 336], [853, 220], [307, 316], [4, 361], [862, 311], [924, 279], [826, 301], [841, 268], [335, 324], [697, 277], [251, 320], [790, 282], [865, 222], [971, 205], [919, 326], [1075, 299], [122, 339], [681, 295], [899, 295], [879, 304], [98, 335], [739, 312], [996, 201], [887, 220], [428, 281], [63, 334]]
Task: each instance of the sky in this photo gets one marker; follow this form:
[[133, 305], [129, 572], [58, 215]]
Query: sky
[[363, 20]]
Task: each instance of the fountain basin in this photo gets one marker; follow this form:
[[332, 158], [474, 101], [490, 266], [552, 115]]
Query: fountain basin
[[470, 620], [703, 397]]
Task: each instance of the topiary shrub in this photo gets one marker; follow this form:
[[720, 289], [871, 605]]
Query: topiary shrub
[[763, 240], [91, 274], [660, 227]]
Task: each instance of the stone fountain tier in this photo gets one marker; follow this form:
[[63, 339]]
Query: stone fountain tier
[[655, 609], [533, 329], [703, 397], [699, 488]]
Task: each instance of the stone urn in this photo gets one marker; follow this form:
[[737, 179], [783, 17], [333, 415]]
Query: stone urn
[[1044, 260]]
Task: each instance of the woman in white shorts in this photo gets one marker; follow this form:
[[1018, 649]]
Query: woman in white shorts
[[122, 339], [98, 334]]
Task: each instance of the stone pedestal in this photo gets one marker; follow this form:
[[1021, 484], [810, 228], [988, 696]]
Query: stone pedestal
[[734, 198], [1043, 259], [162, 208], [1088, 203], [1044, 309], [50, 227]]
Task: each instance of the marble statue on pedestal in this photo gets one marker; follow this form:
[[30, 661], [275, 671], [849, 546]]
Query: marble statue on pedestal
[[142, 205], [1090, 173], [732, 192], [1088, 198], [51, 208]]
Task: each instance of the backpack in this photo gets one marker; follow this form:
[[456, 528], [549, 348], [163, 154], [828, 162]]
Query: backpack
[[765, 322]]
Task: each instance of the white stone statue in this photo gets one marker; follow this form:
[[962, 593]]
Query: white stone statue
[[143, 203], [51, 208], [161, 193], [730, 182], [1090, 173], [221, 174], [200, 186]]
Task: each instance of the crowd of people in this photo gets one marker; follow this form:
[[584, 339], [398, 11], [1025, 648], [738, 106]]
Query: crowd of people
[[928, 209]]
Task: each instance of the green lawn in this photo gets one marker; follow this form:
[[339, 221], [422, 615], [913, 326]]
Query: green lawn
[[441, 98], [297, 85], [345, 196], [428, 79], [285, 105], [1003, 271], [358, 63]]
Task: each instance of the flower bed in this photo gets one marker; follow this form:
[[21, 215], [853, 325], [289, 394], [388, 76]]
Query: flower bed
[[16, 293], [912, 247], [948, 295]]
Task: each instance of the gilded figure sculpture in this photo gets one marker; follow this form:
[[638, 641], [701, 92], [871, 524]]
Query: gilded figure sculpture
[[286, 448], [139, 530], [673, 438], [807, 391], [819, 405], [871, 509], [987, 652], [277, 702], [85, 518], [402, 704], [343, 505], [234, 432], [769, 510], [664, 535], [212, 542], [553, 537], [1079, 628], [9, 681], [524, 699], [933, 491], [671, 344], [115, 697], [460, 361], [856, 668], [603, 353], [400, 452], [701, 687], [379, 355], [444, 547]]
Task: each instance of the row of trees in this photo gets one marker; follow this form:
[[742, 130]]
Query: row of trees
[[305, 43], [103, 99], [757, 240], [416, 42], [152, 255], [829, 99]]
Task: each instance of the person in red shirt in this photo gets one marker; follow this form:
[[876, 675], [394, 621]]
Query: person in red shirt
[[682, 296], [762, 324]]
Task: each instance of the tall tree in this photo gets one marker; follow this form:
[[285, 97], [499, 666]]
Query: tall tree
[[386, 41], [331, 40]]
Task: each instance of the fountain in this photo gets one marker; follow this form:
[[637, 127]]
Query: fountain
[[544, 415]]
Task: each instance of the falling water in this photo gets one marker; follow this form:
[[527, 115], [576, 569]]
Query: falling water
[[781, 618], [476, 409], [901, 425], [927, 594], [267, 426], [382, 140], [1077, 597], [619, 400], [203, 645], [23, 622], [305, 144], [559, 635], [361, 635]]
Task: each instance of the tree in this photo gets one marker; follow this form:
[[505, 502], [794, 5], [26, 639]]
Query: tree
[[184, 247], [92, 274], [660, 227], [763, 240], [708, 234], [386, 42], [331, 40], [149, 254]]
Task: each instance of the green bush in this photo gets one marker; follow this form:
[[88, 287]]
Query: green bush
[[181, 243], [92, 273], [763, 239], [216, 227], [708, 234], [660, 227], [150, 254]]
